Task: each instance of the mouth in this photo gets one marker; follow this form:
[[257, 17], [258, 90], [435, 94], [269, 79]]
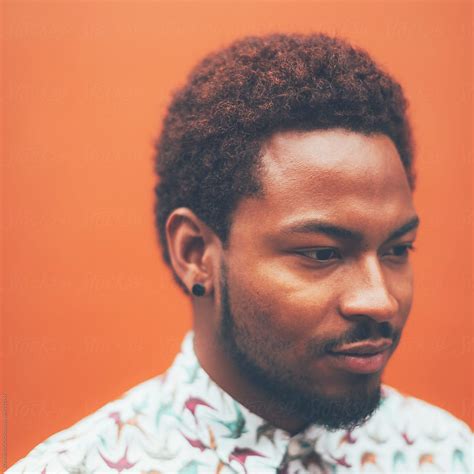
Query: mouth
[[364, 357]]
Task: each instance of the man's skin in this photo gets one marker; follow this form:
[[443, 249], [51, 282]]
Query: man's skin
[[291, 291]]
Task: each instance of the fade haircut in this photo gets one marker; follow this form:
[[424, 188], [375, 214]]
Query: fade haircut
[[208, 154]]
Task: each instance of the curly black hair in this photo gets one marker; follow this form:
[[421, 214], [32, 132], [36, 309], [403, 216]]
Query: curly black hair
[[207, 157]]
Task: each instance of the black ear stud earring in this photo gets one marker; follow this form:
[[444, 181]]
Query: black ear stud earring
[[198, 289]]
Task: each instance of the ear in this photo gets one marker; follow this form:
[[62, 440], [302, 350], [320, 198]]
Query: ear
[[193, 248]]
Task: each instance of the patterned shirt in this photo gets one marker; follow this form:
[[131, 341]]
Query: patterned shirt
[[182, 422]]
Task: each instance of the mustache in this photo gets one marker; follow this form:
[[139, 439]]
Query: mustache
[[363, 331]]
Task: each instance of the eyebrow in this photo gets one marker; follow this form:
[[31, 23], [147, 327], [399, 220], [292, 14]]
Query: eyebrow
[[321, 227]]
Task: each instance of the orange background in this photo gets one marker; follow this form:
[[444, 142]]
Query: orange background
[[89, 308]]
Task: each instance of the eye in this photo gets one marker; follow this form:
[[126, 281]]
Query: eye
[[400, 251], [322, 254]]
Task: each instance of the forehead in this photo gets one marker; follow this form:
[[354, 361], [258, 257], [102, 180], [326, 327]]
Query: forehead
[[337, 157], [344, 176]]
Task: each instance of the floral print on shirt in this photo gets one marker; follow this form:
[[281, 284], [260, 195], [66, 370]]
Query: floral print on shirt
[[182, 422]]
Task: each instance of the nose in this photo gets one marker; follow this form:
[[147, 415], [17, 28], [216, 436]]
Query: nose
[[367, 293]]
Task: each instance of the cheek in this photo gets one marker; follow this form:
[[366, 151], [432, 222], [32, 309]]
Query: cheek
[[278, 301]]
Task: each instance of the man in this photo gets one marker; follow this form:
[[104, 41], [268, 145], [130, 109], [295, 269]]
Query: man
[[285, 211]]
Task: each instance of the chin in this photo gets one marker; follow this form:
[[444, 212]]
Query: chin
[[349, 384], [346, 407]]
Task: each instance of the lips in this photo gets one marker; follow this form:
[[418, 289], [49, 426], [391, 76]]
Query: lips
[[364, 357], [363, 348]]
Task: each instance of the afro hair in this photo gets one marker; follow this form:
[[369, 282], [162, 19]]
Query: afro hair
[[207, 156]]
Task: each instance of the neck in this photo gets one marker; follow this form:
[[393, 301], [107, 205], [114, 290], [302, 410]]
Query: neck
[[217, 363]]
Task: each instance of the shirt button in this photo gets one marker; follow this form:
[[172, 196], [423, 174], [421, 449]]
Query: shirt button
[[294, 448]]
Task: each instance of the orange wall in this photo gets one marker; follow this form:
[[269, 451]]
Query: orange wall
[[89, 308]]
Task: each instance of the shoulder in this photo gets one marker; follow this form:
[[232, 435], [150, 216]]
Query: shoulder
[[405, 434], [410, 412], [82, 446], [420, 433]]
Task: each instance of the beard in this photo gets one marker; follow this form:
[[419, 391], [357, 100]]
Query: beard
[[256, 357]]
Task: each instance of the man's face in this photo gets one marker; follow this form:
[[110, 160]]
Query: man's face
[[316, 284]]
